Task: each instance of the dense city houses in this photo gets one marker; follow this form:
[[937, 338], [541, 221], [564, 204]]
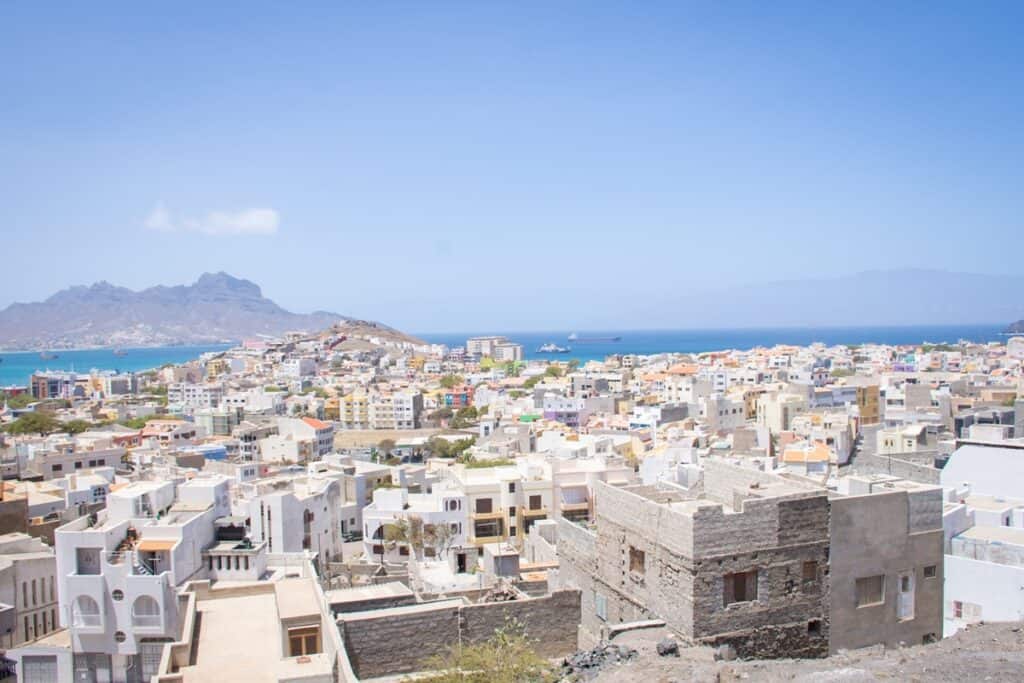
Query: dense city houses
[[347, 504]]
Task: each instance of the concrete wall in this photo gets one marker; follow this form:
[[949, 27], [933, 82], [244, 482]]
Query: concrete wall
[[988, 591], [885, 534], [920, 470], [403, 640]]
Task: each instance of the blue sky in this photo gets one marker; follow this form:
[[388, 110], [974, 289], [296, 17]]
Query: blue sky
[[523, 165]]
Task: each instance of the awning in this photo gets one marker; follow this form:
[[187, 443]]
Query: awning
[[155, 545]]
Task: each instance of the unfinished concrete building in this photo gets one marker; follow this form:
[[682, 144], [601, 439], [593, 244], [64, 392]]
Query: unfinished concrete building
[[740, 562], [774, 565]]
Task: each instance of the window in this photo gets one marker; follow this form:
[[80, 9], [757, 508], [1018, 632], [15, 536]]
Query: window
[[57, 468], [34, 596], [146, 612], [512, 531], [483, 506], [28, 636], [303, 641], [740, 587], [24, 593], [637, 560], [488, 528], [512, 511], [814, 628], [52, 598], [535, 502], [870, 591], [78, 465], [117, 594], [931, 571], [958, 610], [85, 612], [511, 487], [810, 571]]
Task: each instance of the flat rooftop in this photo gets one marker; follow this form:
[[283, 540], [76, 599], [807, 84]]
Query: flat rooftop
[[392, 589], [998, 534], [240, 639], [991, 503]]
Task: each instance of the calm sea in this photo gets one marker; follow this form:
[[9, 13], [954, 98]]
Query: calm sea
[[16, 368], [695, 341]]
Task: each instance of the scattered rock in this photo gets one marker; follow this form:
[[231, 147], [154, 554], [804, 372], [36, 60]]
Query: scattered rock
[[667, 646], [594, 660], [725, 653]]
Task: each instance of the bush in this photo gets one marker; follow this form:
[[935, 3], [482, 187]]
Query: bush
[[507, 657]]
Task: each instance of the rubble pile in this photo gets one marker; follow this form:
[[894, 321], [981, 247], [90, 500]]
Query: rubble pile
[[586, 664]]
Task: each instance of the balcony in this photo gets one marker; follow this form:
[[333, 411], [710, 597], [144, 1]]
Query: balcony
[[539, 512]]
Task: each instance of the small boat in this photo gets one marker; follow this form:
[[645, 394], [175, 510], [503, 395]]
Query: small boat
[[120, 352], [552, 348], [46, 355]]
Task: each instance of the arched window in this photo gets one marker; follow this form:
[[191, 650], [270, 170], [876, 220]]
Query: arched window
[[85, 612], [145, 612]]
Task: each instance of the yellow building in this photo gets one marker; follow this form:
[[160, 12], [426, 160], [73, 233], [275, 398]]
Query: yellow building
[[217, 367]]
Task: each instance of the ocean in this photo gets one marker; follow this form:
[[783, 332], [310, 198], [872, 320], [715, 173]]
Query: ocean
[[16, 368], [695, 341]]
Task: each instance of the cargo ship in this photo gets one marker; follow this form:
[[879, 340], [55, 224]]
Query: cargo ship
[[592, 340]]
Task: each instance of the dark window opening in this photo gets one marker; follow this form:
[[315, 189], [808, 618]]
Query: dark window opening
[[740, 587]]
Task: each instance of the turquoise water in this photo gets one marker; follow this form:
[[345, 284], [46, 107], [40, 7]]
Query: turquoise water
[[16, 368], [696, 341]]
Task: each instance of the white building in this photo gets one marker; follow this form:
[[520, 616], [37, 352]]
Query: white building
[[118, 571], [190, 395], [28, 592]]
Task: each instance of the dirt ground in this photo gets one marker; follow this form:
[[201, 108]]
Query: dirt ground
[[985, 652], [355, 438]]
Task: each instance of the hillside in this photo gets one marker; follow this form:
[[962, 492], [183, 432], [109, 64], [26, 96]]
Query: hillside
[[216, 307]]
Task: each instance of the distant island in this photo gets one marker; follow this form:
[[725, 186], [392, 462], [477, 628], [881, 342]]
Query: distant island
[[1015, 328], [215, 308]]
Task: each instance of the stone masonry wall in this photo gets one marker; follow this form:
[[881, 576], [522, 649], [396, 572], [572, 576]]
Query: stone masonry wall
[[398, 642]]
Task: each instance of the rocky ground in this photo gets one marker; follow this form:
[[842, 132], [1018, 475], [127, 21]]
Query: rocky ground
[[985, 652]]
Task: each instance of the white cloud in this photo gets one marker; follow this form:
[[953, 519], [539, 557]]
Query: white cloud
[[245, 222]]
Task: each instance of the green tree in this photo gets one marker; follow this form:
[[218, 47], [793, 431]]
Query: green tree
[[77, 426], [386, 446], [440, 414], [405, 532], [35, 423], [553, 371], [464, 417], [506, 657], [573, 365], [531, 382], [451, 381], [17, 401]]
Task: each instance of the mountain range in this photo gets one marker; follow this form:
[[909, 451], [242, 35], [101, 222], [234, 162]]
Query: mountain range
[[216, 307]]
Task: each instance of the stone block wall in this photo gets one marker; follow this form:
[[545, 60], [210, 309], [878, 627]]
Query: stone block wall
[[401, 641]]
